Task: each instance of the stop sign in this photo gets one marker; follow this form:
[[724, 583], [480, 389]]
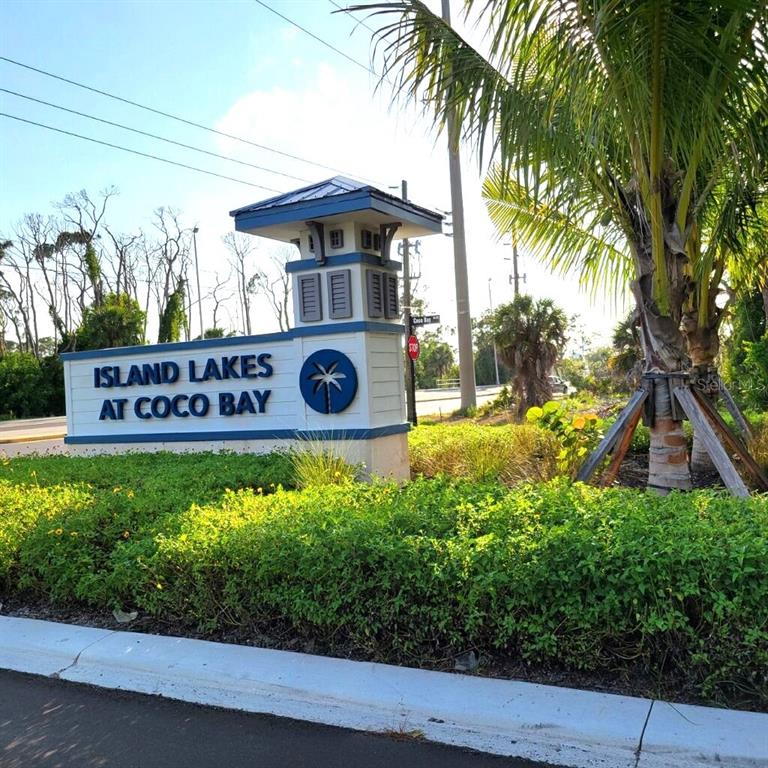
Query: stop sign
[[413, 348]]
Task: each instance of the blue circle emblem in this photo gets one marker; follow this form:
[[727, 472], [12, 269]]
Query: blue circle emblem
[[328, 381]]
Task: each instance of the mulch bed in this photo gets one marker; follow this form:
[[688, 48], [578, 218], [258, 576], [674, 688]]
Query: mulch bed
[[634, 474]]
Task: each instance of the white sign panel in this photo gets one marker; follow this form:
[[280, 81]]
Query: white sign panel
[[280, 386]]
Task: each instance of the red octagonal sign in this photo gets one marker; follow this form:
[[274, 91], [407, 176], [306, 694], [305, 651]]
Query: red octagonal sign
[[414, 348]]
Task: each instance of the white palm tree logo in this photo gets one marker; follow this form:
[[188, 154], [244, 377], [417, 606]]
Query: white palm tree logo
[[327, 377]]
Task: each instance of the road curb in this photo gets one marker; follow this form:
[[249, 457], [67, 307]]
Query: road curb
[[32, 438], [562, 726]]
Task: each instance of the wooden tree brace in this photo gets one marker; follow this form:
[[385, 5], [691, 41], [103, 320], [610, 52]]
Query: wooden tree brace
[[738, 416], [625, 423], [720, 458], [621, 449], [733, 443]]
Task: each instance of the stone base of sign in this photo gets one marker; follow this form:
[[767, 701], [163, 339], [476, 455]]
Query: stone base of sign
[[381, 457]]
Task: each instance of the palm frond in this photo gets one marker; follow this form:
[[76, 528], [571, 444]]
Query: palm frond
[[573, 242], [637, 112]]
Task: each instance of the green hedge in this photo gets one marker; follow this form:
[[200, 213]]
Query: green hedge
[[586, 579]]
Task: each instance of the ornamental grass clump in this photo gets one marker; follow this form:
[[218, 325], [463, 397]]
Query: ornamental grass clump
[[508, 454], [759, 445], [314, 465]]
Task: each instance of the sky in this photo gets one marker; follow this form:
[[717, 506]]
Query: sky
[[242, 69]]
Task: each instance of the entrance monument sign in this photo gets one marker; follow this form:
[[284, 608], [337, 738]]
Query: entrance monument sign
[[335, 377]]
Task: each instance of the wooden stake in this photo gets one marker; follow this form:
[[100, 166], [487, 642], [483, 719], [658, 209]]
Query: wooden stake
[[733, 443], [621, 449], [613, 435], [720, 458], [738, 416]]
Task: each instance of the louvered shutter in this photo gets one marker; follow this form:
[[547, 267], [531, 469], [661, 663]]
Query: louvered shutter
[[310, 308], [375, 289], [339, 294], [391, 296]]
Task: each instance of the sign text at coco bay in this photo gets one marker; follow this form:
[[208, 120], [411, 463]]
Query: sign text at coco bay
[[185, 404]]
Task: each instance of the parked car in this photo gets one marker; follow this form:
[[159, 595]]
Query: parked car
[[559, 386]]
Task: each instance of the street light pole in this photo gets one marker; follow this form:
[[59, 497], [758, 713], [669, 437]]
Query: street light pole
[[463, 319], [195, 230]]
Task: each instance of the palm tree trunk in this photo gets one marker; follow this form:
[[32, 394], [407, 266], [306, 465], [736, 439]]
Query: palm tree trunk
[[703, 346], [663, 350], [667, 460]]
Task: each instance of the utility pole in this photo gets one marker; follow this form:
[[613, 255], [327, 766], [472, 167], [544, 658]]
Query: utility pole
[[410, 388], [463, 319], [495, 351], [195, 230], [515, 274]]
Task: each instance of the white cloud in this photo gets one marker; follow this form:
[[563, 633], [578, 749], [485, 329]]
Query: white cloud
[[339, 121]]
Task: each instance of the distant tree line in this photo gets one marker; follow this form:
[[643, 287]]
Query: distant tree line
[[71, 281]]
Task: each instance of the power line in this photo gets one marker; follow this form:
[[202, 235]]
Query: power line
[[136, 152], [152, 135], [319, 39], [178, 118], [352, 16]]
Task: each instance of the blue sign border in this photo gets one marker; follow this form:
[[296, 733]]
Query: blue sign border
[[243, 434]]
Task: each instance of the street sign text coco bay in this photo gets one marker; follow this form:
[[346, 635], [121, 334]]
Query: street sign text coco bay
[[185, 404]]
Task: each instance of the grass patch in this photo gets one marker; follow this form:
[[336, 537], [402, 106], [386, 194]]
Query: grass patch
[[508, 454]]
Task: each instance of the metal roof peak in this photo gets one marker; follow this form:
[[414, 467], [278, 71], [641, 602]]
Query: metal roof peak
[[336, 185], [283, 217]]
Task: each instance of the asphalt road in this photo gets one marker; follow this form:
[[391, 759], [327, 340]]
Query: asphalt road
[[49, 422], [47, 723], [430, 402], [18, 438]]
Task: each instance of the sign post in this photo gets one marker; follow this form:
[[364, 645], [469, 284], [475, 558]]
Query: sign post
[[413, 349]]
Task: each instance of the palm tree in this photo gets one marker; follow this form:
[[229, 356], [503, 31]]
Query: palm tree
[[628, 142], [626, 357], [530, 337]]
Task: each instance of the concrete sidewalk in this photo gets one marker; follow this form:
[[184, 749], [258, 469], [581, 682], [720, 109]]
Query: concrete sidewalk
[[561, 726]]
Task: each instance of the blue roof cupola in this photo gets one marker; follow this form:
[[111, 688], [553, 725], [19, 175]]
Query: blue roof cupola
[[343, 230], [321, 206]]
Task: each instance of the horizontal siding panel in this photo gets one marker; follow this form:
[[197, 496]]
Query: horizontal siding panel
[[385, 403], [384, 342], [387, 389], [386, 374]]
